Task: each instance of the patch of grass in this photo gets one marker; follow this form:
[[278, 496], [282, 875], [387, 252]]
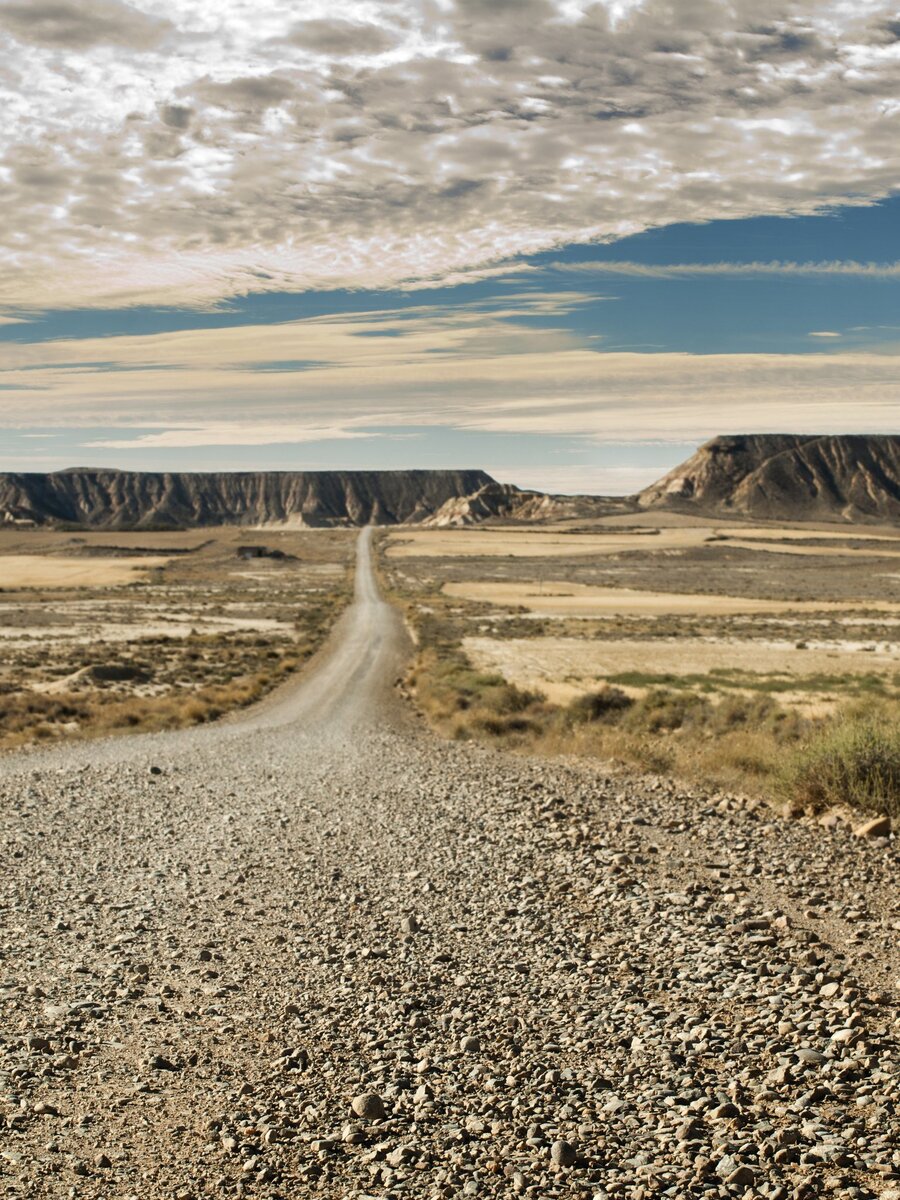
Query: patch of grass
[[723, 678], [854, 761], [467, 703]]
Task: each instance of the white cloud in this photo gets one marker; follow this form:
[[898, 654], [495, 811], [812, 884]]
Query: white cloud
[[182, 151], [837, 268], [825, 333], [234, 433], [469, 367]]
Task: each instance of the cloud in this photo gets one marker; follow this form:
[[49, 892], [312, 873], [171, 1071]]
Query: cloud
[[226, 147], [342, 39], [235, 433], [825, 333], [65, 25], [467, 367], [839, 268]]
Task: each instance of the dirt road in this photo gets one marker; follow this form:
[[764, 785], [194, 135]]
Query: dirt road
[[317, 952]]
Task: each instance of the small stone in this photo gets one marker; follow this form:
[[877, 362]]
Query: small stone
[[158, 1063], [410, 924], [45, 1110], [369, 1106], [102, 1161], [811, 1056], [469, 1044], [742, 1177], [876, 828], [562, 1153]]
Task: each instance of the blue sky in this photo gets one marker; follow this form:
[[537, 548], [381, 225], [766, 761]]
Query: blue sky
[[398, 242]]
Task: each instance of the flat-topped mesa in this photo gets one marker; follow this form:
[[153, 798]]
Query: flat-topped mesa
[[848, 477], [101, 498]]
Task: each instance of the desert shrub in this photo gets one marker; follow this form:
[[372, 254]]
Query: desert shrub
[[604, 705], [758, 713], [852, 761], [661, 711]]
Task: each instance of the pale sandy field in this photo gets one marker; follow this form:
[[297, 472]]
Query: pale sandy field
[[565, 667], [55, 571], [541, 543], [557, 598]]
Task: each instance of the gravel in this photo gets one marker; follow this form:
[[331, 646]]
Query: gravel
[[213, 984]]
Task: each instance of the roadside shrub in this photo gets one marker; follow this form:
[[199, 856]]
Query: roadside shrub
[[607, 704], [855, 762], [662, 711]]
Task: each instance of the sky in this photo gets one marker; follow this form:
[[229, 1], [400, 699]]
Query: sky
[[561, 240]]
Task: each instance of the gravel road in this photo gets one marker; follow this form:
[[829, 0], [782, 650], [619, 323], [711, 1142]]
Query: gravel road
[[317, 952]]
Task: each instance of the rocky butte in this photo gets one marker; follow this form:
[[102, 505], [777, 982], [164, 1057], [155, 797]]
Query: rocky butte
[[854, 478], [100, 498], [787, 477]]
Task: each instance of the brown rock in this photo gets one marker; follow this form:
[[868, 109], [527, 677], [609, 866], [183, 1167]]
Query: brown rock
[[369, 1106], [876, 828]]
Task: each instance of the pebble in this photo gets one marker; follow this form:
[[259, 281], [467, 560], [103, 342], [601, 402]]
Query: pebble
[[563, 1154], [369, 1106]]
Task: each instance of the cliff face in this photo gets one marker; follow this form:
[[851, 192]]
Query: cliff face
[[787, 476], [499, 500], [109, 499]]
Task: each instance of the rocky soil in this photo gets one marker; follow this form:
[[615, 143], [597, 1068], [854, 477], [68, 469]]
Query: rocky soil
[[336, 957]]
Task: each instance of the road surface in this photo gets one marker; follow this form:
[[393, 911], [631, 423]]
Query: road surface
[[533, 978]]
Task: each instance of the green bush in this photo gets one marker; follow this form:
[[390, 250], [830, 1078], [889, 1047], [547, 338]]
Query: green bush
[[855, 762]]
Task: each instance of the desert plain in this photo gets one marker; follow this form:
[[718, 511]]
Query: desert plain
[[104, 632], [487, 896]]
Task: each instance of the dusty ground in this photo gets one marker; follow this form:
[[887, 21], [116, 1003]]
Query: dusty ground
[[570, 539], [675, 599], [51, 571], [533, 978], [565, 667], [118, 630], [553, 597]]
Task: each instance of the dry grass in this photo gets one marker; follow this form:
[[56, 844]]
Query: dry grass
[[182, 646], [853, 761], [740, 740], [562, 598]]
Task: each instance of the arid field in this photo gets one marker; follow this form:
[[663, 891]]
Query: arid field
[[116, 631], [710, 648]]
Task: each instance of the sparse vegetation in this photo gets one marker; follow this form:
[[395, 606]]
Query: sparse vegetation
[[184, 645], [855, 761], [813, 738]]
